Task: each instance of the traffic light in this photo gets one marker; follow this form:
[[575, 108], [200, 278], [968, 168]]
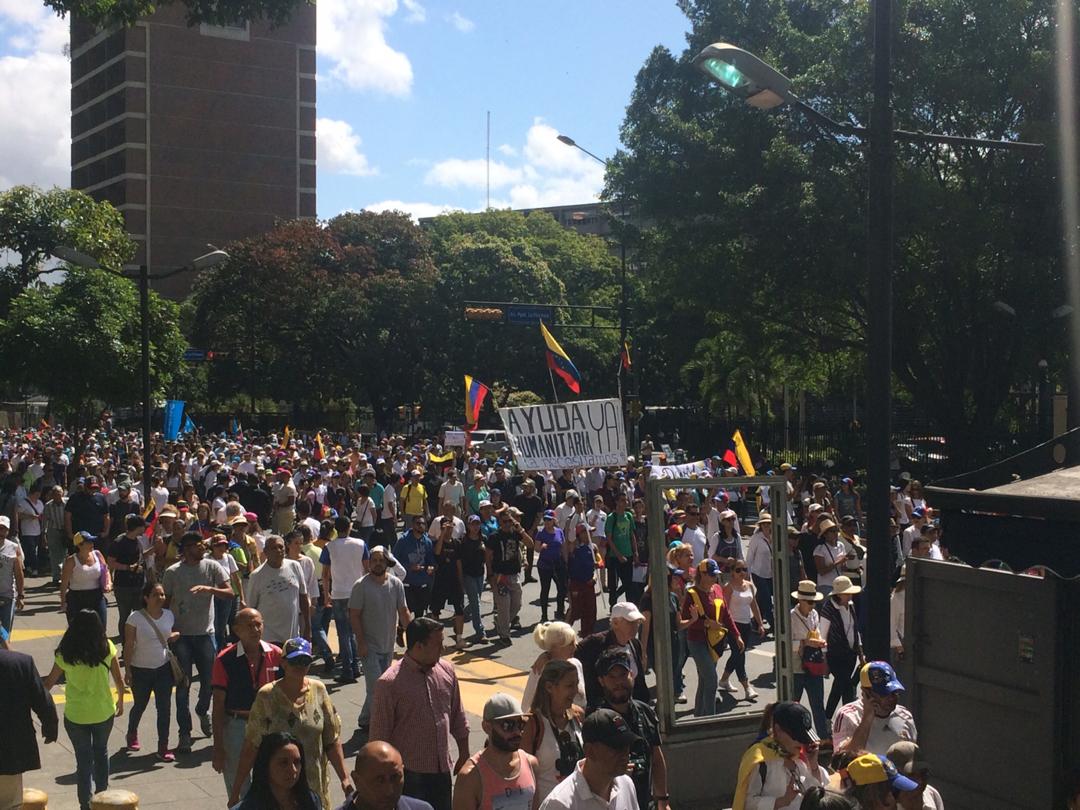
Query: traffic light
[[493, 314]]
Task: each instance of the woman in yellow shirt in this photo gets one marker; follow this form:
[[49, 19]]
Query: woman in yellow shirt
[[86, 658]]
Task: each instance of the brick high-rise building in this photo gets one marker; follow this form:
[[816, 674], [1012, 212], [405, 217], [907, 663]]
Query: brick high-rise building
[[198, 135]]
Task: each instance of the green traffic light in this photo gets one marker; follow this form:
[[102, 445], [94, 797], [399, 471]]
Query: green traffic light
[[725, 72]]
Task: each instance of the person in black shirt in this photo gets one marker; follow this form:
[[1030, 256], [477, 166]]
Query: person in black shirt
[[647, 767], [124, 506], [473, 557], [87, 511], [125, 560], [531, 505], [449, 581], [505, 556]]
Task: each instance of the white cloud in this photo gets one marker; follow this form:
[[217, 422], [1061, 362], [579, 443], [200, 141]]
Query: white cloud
[[352, 34], [339, 149], [461, 22], [548, 173], [416, 12], [414, 209], [458, 173], [35, 106]]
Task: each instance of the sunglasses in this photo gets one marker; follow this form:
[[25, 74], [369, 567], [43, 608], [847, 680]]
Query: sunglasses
[[514, 724]]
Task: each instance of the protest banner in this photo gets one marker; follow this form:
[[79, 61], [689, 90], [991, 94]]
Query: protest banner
[[454, 438], [568, 434], [693, 468]]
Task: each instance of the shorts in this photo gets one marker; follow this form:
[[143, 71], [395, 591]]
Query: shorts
[[441, 596]]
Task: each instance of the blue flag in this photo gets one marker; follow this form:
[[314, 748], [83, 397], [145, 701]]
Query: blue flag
[[174, 414], [189, 426]]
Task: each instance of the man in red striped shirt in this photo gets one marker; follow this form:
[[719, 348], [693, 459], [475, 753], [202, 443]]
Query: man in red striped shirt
[[417, 694]]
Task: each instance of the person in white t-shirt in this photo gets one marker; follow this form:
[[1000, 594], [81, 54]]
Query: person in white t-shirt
[[830, 556], [887, 722], [277, 589], [344, 561], [453, 492], [147, 668]]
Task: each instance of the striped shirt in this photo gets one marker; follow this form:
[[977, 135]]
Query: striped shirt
[[410, 702]]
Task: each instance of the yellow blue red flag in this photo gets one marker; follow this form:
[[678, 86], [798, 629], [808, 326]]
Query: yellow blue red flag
[[559, 362]]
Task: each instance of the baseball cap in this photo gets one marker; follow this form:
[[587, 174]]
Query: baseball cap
[[628, 611], [918, 511], [613, 657], [82, 537], [871, 769], [795, 719], [879, 678], [5, 521], [907, 757], [710, 567], [501, 706], [549, 515], [475, 519], [608, 728], [484, 503], [296, 648]]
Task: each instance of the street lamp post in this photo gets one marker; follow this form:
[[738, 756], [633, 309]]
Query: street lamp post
[[566, 139], [76, 257], [764, 87]]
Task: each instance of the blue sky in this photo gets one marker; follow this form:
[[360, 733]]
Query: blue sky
[[404, 87]]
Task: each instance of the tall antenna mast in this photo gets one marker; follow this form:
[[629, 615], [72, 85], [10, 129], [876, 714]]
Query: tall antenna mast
[[488, 158]]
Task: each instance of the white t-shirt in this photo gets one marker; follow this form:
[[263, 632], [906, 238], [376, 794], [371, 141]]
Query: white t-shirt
[[884, 731], [389, 503], [346, 565], [695, 537], [574, 793], [453, 492], [149, 651], [227, 563], [160, 496], [9, 552], [364, 512], [740, 604], [311, 580], [30, 513], [800, 630], [830, 555], [275, 592], [597, 520]]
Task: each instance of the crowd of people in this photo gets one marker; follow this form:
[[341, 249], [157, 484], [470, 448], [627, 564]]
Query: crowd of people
[[228, 578]]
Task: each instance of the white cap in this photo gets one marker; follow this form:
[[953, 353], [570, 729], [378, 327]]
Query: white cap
[[5, 521], [628, 611]]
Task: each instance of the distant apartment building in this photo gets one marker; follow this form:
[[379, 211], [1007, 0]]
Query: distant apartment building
[[199, 135]]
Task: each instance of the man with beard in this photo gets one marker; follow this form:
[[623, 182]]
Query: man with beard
[[599, 780], [501, 774], [648, 768]]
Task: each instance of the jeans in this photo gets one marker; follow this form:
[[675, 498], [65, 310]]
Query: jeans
[[814, 686], [160, 682], [433, 788], [842, 668], [474, 586], [375, 664], [197, 650], [91, 745], [235, 728], [224, 613], [764, 598], [128, 600], [93, 599], [737, 660], [350, 666], [58, 552], [705, 700], [678, 660], [547, 575], [507, 603], [320, 623], [30, 545], [7, 612]]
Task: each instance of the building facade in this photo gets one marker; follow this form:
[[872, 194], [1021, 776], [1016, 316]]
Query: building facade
[[200, 135]]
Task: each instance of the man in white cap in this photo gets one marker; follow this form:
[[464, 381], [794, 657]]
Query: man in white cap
[[501, 775], [626, 621]]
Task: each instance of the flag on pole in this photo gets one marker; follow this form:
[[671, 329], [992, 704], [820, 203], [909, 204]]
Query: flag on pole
[[285, 437], [559, 362], [189, 426], [736, 454], [320, 451], [43, 425], [624, 356], [235, 428], [445, 458], [475, 391]]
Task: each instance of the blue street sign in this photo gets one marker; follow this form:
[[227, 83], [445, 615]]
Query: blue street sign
[[193, 355], [529, 314]]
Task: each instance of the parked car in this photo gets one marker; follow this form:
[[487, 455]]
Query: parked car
[[489, 441]]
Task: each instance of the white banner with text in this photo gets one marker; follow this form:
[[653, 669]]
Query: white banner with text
[[566, 434]]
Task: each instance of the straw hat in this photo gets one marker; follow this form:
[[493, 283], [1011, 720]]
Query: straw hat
[[842, 585], [808, 591]]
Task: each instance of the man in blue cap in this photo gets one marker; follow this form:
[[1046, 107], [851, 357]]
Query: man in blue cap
[[875, 720]]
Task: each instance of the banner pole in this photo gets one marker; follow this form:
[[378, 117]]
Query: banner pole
[[554, 390]]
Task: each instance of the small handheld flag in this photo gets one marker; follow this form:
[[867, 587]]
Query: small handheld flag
[[625, 356], [736, 454], [559, 362], [285, 437], [320, 451], [475, 391], [189, 425]]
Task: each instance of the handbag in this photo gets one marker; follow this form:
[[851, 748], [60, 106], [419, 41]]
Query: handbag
[[180, 678], [713, 635], [813, 658]]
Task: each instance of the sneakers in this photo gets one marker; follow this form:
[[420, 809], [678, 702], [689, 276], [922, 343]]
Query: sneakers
[[184, 745], [165, 755], [133, 741], [749, 692], [205, 726], [725, 684], [479, 638], [345, 678], [681, 698]]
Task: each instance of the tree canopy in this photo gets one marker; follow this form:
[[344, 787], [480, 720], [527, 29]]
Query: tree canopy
[[217, 12]]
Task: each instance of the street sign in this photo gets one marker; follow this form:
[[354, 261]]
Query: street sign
[[193, 355], [529, 314]]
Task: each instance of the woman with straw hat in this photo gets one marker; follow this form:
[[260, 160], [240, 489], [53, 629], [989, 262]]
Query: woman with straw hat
[[808, 646], [840, 626]]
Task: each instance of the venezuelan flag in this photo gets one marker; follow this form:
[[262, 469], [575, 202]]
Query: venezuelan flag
[[559, 362], [475, 391], [320, 451]]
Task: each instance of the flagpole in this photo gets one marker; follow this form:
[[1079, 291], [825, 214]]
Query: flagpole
[[554, 390]]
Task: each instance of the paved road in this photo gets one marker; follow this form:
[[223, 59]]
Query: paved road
[[482, 671]]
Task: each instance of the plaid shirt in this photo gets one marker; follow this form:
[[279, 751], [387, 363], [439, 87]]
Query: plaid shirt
[[411, 702]]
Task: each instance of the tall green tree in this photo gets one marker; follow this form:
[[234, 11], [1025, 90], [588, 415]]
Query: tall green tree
[[220, 12], [78, 342], [33, 223], [760, 216]]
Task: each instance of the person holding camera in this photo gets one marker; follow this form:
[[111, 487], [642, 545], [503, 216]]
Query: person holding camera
[[505, 556]]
